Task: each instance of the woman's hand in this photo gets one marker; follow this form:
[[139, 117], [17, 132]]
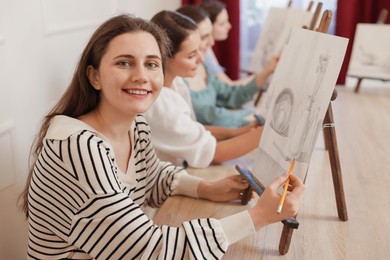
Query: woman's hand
[[244, 129], [271, 65], [264, 213], [229, 188], [269, 68]]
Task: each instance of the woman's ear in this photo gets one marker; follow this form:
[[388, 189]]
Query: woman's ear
[[93, 77]]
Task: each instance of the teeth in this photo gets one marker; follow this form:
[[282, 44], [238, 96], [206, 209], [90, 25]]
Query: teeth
[[136, 91]]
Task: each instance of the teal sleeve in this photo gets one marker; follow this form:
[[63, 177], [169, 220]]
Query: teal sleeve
[[213, 105], [220, 116], [232, 96]]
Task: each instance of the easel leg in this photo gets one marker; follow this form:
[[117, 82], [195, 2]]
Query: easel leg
[[331, 145], [285, 240], [357, 88], [258, 97]]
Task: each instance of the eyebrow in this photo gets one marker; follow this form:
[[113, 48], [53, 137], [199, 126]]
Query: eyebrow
[[129, 56]]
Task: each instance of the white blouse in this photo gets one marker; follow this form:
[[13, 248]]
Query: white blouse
[[176, 136]]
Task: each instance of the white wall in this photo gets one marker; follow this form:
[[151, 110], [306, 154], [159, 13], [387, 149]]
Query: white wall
[[40, 42]]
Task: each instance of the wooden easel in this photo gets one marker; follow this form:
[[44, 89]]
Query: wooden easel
[[311, 3], [316, 14], [382, 16], [310, 6], [312, 25], [331, 146], [381, 20]]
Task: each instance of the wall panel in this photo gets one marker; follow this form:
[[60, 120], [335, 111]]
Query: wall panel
[[62, 15], [7, 155]]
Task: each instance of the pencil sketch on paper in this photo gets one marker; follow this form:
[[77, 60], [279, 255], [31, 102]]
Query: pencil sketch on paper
[[302, 84], [307, 126], [275, 33], [282, 112], [370, 57]]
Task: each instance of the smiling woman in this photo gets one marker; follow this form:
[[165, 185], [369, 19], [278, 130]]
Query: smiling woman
[[130, 77], [95, 168]]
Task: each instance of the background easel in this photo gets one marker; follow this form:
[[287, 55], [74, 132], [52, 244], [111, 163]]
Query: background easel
[[313, 23], [315, 16], [381, 20], [310, 6], [331, 146]]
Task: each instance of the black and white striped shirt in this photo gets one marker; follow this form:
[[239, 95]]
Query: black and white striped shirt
[[79, 208]]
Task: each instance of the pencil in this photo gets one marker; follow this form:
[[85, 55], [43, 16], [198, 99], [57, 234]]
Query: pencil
[[285, 188]]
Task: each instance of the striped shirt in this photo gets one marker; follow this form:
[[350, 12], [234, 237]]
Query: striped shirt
[[80, 209]]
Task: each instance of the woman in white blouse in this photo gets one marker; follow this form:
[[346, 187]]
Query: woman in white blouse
[[177, 136]]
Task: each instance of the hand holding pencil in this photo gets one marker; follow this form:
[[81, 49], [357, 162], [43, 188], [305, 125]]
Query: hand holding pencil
[[264, 213], [280, 206]]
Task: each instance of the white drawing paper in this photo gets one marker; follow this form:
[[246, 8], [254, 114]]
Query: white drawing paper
[[302, 86], [370, 57], [275, 33]]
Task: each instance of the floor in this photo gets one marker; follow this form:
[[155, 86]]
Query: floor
[[363, 133]]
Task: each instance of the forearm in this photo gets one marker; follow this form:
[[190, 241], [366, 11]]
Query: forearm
[[220, 133], [261, 79], [237, 226], [223, 133], [262, 76], [244, 81], [237, 146], [224, 78], [258, 222]]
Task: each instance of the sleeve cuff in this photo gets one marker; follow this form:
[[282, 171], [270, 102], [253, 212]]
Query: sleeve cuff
[[185, 184], [237, 226]]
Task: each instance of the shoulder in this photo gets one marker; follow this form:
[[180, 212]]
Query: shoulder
[[61, 127], [169, 97], [75, 139], [140, 124], [168, 104], [141, 128]]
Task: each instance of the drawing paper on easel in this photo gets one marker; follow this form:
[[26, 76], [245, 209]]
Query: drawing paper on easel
[[303, 84], [275, 33], [370, 56]]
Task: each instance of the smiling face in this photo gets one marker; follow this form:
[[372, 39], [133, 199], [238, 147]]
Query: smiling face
[[130, 75], [186, 60], [221, 26]]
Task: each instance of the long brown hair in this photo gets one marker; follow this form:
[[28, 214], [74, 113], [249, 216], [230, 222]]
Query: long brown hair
[[195, 12], [213, 8], [176, 25], [80, 97]]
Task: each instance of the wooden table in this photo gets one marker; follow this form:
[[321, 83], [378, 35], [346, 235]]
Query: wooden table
[[179, 208], [265, 243]]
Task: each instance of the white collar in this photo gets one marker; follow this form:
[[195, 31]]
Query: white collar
[[61, 127]]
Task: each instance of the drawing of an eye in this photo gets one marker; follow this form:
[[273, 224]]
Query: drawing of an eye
[[282, 112]]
